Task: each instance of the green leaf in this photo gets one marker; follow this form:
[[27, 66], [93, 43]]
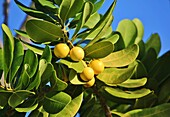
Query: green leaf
[[47, 55], [56, 103], [87, 10], [142, 53], [43, 31], [121, 58], [17, 60], [127, 94], [98, 5], [4, 95], [49, 4], [33, 12], [157, 111], [72, 108], [18, 97], [133, 83], [32, 60], [74, 79], [38, 113], [99, 50], [77, 66], [128, 31], [113, 76], [140, 30], [1, 60], [22, 33], [8, 50], [154, 42], [113, 38]]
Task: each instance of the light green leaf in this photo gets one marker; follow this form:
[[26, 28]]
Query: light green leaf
[[77, 66], [140, 30], [99, 50], [47, 3], [22, 33], [154, 42], [8, 50], [47, 55], [121, 58], [113, 76], [98, 5], [18, 97], [133, 83], [56, 103], [113, 38], [127, 94], [43, 31], [157, 111], [71, 109], [128, 31], [92, 21]]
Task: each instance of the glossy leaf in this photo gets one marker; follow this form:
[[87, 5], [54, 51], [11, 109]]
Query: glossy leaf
[[127, 94], [154, 42], [56, 103], [18, 97], [128, 31], [77, 66], [72, 108], [92, 21], [99, 50], [47, 55], [43, 31], [133, 83], [113, 76], [140, 30], [157, 111], [8, 50], [121, 58], [33, 12]]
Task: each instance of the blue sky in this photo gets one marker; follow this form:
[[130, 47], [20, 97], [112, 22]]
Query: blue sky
[[154, 14]]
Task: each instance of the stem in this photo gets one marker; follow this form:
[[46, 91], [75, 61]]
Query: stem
[[102, 102], [6, 11]]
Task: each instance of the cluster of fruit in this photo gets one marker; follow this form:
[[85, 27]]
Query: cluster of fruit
[[76, 53]]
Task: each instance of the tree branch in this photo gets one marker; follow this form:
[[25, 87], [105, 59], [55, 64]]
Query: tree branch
[[6, 11]]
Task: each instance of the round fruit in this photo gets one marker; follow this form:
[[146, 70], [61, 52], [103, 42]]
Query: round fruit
[[90, 83], [97, 66], [87, 74], [76, 53], [61, 50]]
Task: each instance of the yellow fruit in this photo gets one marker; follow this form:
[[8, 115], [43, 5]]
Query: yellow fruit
[[61, 50], [76, 53], [90, 83], [97, 66], [87, 74]]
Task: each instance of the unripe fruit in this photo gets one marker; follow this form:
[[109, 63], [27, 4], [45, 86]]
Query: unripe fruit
[[76, 53], [61, 50], [90, 83], [87, 74], [97, 66]]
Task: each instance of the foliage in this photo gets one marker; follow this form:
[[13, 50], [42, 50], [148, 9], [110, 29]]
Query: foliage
[[135, 81]]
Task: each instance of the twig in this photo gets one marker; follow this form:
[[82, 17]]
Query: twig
[[6, 11]]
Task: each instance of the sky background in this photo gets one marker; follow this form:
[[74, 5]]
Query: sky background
[[154, 14]]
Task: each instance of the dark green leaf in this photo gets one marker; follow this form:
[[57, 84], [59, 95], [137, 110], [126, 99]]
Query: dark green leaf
[[43, 31], [157, 111], [99, 50], [128, 31], [1, 60], [141, 45], [113, 76], [4, 95], [127, 94], [56, 103], [121, 58], [47, 55]]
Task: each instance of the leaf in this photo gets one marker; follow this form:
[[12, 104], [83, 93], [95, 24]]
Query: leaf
[[154, 42], [87, 10], [49, 4], [33, 12], [121, 58], [77, 66], [56, 103], [112, 76], [1, 59], [127, 94], [17, 60], [128, 31], [98, 5], [43, 31], [133, 83], [18, 97], [99, 50], [162, 110], [22, 33], [8, 50], [32, 60], [140, 30], [73, 78], [113, 38], [4, 95], [72, 108], [142, 53], [47, 55]]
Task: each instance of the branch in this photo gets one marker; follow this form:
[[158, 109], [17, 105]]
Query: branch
[[6, 11]]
